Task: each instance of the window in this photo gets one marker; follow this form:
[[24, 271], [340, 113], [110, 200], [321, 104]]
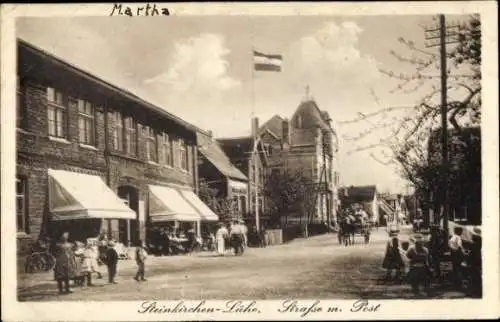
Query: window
[[183, 155], [21, 209], [86, 123], [151, 144], [20, 104], [167, 152], [130, 136], [118, 131], [56, 113], [299, 121], [243, 205]]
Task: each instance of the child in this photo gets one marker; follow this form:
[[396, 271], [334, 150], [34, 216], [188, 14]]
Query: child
[[79, 277], [419, 273], [89, 264], [111, 261], [140, 257], [392, 258], [457, 253]]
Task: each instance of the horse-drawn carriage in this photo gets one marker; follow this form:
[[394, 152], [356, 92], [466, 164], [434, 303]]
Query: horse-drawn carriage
[[352, 226]]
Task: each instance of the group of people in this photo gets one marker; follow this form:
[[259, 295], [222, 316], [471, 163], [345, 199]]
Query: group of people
[[232, 235], [421, 261], [164, 241], [78, 261]]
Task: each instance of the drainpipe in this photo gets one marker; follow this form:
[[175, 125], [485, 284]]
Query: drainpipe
[[107, 222]]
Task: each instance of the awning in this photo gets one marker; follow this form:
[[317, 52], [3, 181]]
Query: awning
[[75, 195], [205, 212], [167, 204]]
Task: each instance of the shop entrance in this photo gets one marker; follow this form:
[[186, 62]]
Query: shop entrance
[[128, 229]]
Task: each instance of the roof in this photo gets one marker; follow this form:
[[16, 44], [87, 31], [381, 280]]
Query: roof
[[359, 194], [87, 75], [240, 147], [214, 153]]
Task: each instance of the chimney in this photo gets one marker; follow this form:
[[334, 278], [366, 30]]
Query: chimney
[[210, 133], [255, 127], [286, 131]]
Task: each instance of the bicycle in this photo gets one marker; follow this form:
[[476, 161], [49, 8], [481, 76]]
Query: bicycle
[[40, 259], [39, 262]]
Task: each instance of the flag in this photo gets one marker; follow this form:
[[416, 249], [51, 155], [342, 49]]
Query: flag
[[265, 62]]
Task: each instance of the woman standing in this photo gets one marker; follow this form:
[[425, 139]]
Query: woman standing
[[220, 237], [419, 265], [64, 269]]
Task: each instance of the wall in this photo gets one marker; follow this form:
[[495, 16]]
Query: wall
[[37, 152]]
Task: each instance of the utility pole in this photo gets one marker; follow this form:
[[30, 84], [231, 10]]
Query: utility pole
[[444, 34]]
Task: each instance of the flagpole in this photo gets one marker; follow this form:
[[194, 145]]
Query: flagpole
[[254, 135]]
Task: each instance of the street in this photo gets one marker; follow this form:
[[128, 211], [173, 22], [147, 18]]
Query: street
[[317, 267]]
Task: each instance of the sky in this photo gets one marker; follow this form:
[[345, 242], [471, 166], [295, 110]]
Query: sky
[[200, 69]]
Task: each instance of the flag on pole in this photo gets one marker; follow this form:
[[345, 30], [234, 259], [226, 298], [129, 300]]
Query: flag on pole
[[265, 62]]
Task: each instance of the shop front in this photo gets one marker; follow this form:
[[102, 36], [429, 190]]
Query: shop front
[[178, 208], [79, 203]]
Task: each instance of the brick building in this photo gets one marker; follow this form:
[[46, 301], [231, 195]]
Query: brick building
[[306, 142], [92, 157], [217, 171]]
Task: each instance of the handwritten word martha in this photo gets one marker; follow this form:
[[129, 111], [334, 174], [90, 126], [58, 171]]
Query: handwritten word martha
[[147, 10], [293, 306], [364, 306], [179, 307], [241, 307]]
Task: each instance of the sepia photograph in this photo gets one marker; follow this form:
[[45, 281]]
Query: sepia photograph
[[246, 158]]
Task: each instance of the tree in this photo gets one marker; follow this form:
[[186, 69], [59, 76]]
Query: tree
[[289, 191], [223, 207], [406, 145]]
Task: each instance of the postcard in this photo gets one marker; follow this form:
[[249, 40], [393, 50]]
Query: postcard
[[249, 161]]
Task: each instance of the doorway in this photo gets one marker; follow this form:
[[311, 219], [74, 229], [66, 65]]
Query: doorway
[[128, 230]]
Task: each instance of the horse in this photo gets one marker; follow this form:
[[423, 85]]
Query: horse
[[347, 232]]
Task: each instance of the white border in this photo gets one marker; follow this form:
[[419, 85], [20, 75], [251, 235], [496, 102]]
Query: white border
[[391, 309]]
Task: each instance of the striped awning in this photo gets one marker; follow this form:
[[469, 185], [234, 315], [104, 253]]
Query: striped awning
[[75, 195], [168, 204]]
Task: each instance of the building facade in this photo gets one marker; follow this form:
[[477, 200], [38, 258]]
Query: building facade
[[249, 155], [307, 142], [226, 181], [81, 140]]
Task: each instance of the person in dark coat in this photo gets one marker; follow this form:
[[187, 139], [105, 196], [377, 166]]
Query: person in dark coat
[[65, 267], [437, 244], [392, 259], [111, 262], [476, 262]]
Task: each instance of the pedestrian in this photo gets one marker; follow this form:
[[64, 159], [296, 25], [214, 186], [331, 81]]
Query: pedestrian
[[237, 237], [140, 258], [220, 237], [436, 249], [476, 262], [79, 277], [457, 253], [111, 261], [419, 272], [392, 259], [64, 270], [90, 264]]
